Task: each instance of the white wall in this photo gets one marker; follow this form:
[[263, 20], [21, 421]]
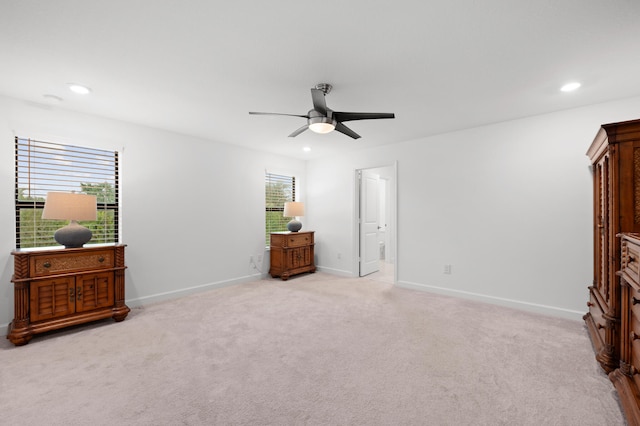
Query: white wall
[[509, 206], [192, 210]]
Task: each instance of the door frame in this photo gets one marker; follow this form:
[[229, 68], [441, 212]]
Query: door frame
[[392, 221]]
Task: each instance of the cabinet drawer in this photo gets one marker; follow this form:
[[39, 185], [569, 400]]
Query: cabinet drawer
[[634, 303], [597, 312], [49, 264], [631, 262], [292, 239], [634, 342], [298, 240]]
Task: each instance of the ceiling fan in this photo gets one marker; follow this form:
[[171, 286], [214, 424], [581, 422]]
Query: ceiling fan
[[322, 119]]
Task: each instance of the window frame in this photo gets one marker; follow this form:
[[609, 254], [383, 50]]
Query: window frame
[[110, 207], [288, 179]]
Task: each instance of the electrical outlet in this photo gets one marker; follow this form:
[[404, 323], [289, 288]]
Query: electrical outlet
[[447, 269]]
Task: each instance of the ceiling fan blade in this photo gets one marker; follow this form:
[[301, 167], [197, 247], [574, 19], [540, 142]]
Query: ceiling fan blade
[[350, 116], [319, 103], [277, 113], [300, 130], [347, 131]]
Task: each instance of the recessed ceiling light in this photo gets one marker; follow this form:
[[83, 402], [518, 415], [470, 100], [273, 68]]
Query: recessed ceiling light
[[79, 89], [306, 149], [570, 87]]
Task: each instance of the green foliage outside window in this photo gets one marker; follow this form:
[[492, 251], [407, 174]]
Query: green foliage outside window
[[37, 232], [42, 167], [278, 190]]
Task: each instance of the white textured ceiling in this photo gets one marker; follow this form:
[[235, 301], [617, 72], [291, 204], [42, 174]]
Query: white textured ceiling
[[197, 67]]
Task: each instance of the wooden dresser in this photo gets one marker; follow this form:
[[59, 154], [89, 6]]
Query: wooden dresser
[[626, 378], [291, 253], [615, 159], [59, 287]]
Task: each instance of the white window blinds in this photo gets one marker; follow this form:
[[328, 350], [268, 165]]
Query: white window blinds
[[43, 167], [278, 190]]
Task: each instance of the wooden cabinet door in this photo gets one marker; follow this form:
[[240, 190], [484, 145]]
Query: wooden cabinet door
[[298, 257], [602, 232], [293, 258], [52, 298], [94, 291], [305, 256]]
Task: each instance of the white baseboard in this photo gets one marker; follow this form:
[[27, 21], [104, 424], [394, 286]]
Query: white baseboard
[[160, 297], [516, 304], [338, 272]]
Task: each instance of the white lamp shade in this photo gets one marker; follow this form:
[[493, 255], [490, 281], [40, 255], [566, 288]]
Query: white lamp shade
[[70, 206], [293, 209]]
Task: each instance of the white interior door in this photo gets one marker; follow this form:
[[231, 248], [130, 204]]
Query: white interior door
[[369, 209]]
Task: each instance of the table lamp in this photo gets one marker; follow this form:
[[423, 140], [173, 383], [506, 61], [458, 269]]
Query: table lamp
[[293, 209], [72, 207]]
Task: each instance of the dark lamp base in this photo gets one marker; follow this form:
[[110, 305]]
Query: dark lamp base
[[73, 235], [294, 225]]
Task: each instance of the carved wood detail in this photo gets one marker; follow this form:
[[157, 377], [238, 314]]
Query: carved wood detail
[[44, 265]]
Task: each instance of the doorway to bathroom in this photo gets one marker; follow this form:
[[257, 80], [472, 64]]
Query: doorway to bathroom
[[376, 222]]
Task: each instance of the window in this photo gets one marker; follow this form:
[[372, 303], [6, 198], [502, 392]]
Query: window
[[42, 167], [278, 190]]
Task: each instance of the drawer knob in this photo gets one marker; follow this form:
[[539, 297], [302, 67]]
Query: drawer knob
[[634, 301], [101, 259], [600, 326], [590, 304], [47, 264], [634, 336]]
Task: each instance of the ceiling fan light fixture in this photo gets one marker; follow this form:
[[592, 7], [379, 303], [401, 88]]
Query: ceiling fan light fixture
[[321, 125], [322, 128]]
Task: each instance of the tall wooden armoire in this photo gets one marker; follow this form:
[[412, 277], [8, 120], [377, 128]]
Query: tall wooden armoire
[[615, 158]]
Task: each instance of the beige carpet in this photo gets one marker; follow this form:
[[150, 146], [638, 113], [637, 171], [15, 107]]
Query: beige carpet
[[315, 350]]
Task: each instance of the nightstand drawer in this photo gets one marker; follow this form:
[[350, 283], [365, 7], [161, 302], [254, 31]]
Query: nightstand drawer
[[291, 239], [49, 264], [298, 240]]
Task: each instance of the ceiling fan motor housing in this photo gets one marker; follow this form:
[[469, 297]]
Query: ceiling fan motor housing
[[324, 87]]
